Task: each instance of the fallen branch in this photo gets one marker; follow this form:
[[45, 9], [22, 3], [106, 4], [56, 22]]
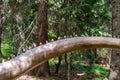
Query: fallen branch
[[32, 58]]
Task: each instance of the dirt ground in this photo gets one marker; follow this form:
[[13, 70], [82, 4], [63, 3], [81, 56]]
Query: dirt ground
[[63, 75]]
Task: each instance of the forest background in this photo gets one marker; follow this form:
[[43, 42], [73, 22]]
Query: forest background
[[21, 31]]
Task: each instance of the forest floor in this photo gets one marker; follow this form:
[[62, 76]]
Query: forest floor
[[84, 72], [63, 75]]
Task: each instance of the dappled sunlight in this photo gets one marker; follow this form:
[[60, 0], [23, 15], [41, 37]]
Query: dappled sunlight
[[80, 74], [50, 46]]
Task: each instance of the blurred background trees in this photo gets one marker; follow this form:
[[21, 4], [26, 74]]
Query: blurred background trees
[[24, 20]]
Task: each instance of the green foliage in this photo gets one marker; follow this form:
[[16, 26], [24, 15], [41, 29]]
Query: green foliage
[[52, 34], [90, 16], [82, 17], [92, 72], [65, 18], [18, 23], [7, 49]]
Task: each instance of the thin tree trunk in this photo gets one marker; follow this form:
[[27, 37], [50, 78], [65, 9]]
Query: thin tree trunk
[[42, 36], [96, 56], [1, 5], [0, 26], [58, 64], [115, 56]]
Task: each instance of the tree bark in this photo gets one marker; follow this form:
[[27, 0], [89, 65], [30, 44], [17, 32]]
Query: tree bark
[[58, 64], [32, 58], [1, 5], [0, 26], [115, 55], [42, 36]]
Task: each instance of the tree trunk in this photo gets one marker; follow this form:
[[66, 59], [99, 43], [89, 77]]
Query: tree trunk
[[115, 55], [1, 56], [0, 26], [96, 55], [42, 36], [58, 64]]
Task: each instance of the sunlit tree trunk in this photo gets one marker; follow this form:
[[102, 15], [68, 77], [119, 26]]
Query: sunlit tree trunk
[[42, 36], [115, 56]]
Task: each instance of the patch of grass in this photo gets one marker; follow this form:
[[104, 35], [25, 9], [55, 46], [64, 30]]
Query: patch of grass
[[97, 72], [92, 72], [100, 70], [6, 48]]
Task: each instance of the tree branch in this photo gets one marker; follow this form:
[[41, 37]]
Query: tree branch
[[32, 58]]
